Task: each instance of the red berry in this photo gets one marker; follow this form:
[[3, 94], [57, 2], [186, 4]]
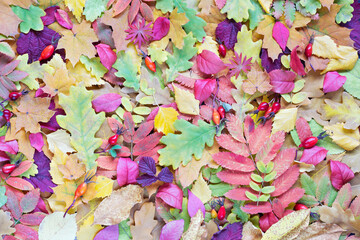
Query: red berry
[[13, 96], [221, 213], [150, 64], [7, 114], [221, 111], [47, 52], [276, 107], [113, 139], [222, 50], [263, 106], [308, 50], [216, 116], [8, 168], [309, 142], [268, 111], [300, 206]]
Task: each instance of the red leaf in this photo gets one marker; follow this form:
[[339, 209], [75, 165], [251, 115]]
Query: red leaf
[[239, 193], [120, 6], [23, 167], [249, 126], [278, 208], [234, 126], [282, 81], [25, 232], [259, 136], [209, 63], [229, 143], [129, 127], [303, 129], [340, 174], [285, 181], [295, 63], [32, 219], [146, 12], [225, 88], [313, 155], [36, 141], [267, 220], [235, 177], [134, 9], [147, 143], [107, 162], [281, 34], [333, 81], [234, 162], [194, 204], [63, 19], [284, 160], [271, 147], [172, 230], [19, 183], [9, 146], [106, 54], [291, 196], [107, 102], [171, 194], [127, 171], [203, 88], [255, 208], [160, 28], [143, 130], [30, 200], [13, 204], [114, 124]]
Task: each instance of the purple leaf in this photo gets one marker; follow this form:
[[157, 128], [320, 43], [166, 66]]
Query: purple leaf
[[209, 63], [227, 32], [36, 141], [146, 180], [282, 81], [203, 88], [295, 63], [281, 34], [165, 175], [63, 19], [49, 18], [42, 179], [108, 233], [139, 33], [160, 28], [172, 230], [267, 63], [340, 174], [333, 81], [194, 204], [52, 123], [103, 32], [106, 54], [34, 42], [313, 155], [230, 232], [171, 194], [127, 171], [147, 165], [107, 102]]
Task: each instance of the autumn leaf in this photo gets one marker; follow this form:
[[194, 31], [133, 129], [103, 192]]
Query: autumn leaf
[[164, 120], [144, 222], [60, 82], [186, 101], [257, 81]]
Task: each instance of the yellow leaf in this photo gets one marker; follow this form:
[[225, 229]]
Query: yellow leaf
[[266, 4], [265, 28], [88, 230], [176, 32], [325, 47], [76, 6], [201, 189], [289, 226], [81, 75], [135, 57], [208, 44], [284, 120], [103, 187], [186, 101], [55, 63], [157, 51], [60, 139], [246, 46], [345, 138], [347, 62], [72, 169], [164, 120], [60, 82]]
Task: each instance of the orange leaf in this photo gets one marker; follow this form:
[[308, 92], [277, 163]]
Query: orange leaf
[[19, 183], [258, 80]]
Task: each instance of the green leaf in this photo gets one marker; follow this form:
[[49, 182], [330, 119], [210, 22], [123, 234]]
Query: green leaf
[[30, 18], [269, 177], [310, 5], [254, 186], [251, 196], [344, 196], [256, 15], [181, 147], [183, 215], [330, 198], [82, 122], [127, 70], [261, 166], [308, 200], [308, 184], [157, 54], [264, 198], [32, 171], [268, 189], [6, 49], [94, 66], [142, 110], [345, 13], [112, 150], [269, 167], [238, 9], [3, 197], [256, 177], [240, 213], [124, 230], [218, 190], [289, 11], [323, 188], [94, 9], [179, 61], [352, 85], [165, 5]]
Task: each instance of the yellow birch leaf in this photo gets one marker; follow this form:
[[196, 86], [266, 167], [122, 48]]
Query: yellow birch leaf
[[284, 120], [88, 230], [347, 62], [246, 46], [289, 226], [325, 47], [345, 138], [186, 101], [201, 189], [164, 120], [76, 6], [103, 187]]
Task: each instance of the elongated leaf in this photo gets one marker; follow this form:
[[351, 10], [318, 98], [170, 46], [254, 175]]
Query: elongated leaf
[[234, 162], [209, 63], [285, 181], [308, 184], [229, 143]]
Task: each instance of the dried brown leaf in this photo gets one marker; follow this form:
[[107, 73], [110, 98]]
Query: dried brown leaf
[[144, 222], [196, 230]]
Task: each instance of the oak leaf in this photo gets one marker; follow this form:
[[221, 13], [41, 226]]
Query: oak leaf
[[196, 230], [144, 222]]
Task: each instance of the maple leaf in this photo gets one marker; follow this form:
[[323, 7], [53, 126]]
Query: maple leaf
[[246, 45], [78, 42], [8, 75], [257, 80], [76, 7], [238, 65], [139, 33], [60, 82]]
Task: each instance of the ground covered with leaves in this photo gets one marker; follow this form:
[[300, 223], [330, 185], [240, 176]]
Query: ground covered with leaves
[[179, 119]]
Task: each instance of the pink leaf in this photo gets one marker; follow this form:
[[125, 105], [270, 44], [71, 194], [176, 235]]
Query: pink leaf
[[19, 183], [119, 7], [146, 12], [107, 102], [259, 136], [160, 28], [229, 143], [127, 171], [234, 177], [30, 200], [313, 155], [267, 220], [106, 54], [32, 219], [23, 167], [143, 130], [107, 162], [203, 88], [234, 162], [271, 147], [234, 126], [171, 194], [278, 208], [282, 81], [25, 232], [355, 206], [225, 88], [333, 81], [284, 160], [63, 19], [9, 146], [285, 181], [303, 129], [194, 204], [172, 230], [147, 143], [209, 63], [255, 208], [295, 63], [249, 126], [36, 141], [340, 174], [220, 3], [239, 194], [281, 34], [4, 157], [291, 196]]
